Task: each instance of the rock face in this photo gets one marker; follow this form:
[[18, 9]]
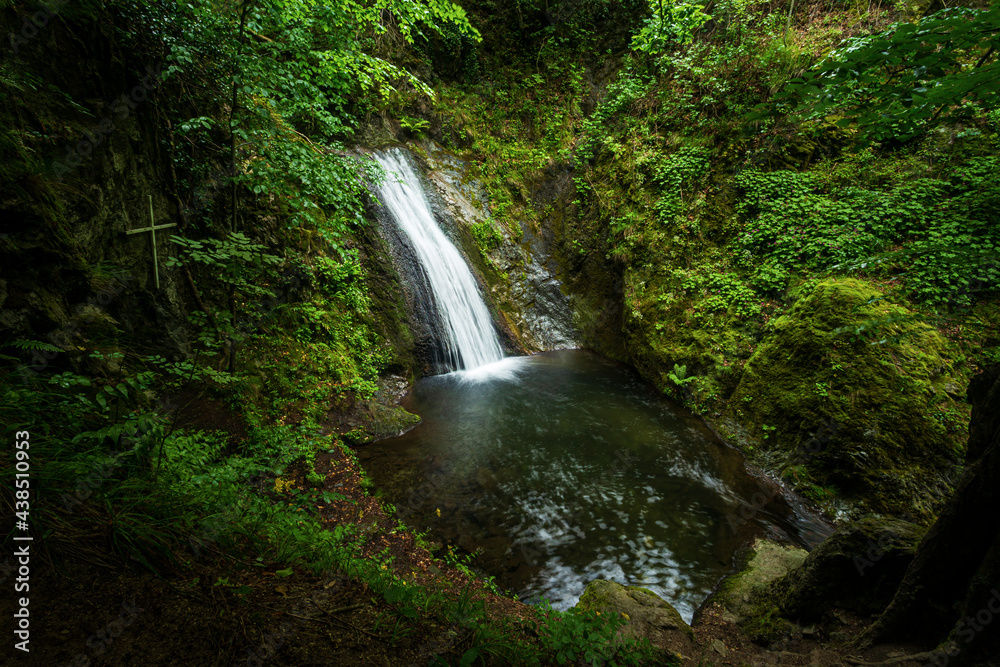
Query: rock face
[[647, 614], [750, 596], [853, 415], [857, 568], [521, 270]]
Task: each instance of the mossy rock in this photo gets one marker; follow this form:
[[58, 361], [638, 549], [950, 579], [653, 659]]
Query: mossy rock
[[764, 564], [858, 568], [753, 594], [646, 614], [853, 392], [377, 420]]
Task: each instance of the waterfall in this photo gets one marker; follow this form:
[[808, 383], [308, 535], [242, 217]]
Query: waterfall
[[470, 340]]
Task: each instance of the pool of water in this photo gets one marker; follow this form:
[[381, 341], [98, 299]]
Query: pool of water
[[565, 467]]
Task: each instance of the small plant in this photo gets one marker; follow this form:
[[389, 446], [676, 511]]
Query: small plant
[[487, 236], [315, 479], [679, 375], [414, 125], [577, 635]]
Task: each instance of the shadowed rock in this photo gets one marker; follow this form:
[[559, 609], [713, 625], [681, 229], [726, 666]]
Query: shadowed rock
[[858, 568]]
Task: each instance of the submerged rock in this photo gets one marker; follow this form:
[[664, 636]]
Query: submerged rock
[[858, 568], [646, 614]]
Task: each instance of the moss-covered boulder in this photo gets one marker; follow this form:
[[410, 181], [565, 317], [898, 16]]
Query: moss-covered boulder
[[752, 595], [764, 564], [646, 614], [851, 392], [858, 568]]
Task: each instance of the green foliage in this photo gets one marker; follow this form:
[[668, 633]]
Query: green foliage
[[674, 24], [672, 174], [487, 236], [769, 279], [234, 260], [901, 82], [721, 292], [585, 635], [679, 375], [284, 82], [949, 229]]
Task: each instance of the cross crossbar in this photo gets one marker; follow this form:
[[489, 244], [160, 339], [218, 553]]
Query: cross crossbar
[[152, 232]]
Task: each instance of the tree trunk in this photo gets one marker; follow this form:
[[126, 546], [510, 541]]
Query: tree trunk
[[950, 591]]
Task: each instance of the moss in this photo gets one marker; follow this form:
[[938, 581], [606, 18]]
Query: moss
[[389, 316], [754, 591], [764, 624], [647, 614], [865, 411], [756, 570]]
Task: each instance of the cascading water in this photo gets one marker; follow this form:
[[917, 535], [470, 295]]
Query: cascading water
[[469, 338]]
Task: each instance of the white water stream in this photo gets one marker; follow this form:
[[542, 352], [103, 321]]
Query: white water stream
[[471, 341]]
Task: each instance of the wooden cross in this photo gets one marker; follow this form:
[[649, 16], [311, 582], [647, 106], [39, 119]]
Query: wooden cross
[[152, 230]]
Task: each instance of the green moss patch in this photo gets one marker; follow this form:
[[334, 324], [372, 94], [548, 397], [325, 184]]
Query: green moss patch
[[854, 394]]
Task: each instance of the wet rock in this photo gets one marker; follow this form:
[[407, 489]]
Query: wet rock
[[520, 272], [647, 614], [373, 420], [858, 568]]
